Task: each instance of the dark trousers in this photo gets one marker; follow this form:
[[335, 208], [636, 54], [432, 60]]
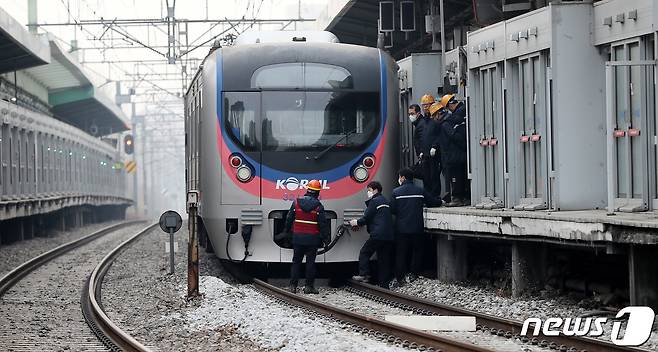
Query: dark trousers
[[298, 255], [456, 175], [432, 175], [408, 245], [382, 248]]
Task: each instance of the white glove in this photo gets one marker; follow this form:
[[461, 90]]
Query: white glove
[[420, 156], [432, 151], [354, 222]]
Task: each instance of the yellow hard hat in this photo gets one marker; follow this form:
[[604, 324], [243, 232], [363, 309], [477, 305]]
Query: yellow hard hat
[[427, 99], [446, 98], [434, 108]]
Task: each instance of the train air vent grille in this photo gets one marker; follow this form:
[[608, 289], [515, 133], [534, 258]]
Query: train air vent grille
[[251, 217]]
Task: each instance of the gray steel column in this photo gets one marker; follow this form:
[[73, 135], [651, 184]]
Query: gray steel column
[[32, 16], [443, 46]]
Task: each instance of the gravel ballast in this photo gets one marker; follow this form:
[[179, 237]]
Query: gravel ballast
[[486, 300], [145, 301], [149, 304], [42, 311], [355, 303], [15, 254]]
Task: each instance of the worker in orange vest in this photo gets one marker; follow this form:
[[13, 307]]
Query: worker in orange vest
[[310, 229]]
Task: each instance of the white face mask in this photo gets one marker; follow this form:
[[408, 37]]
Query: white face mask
[[413, 118], [400, 181], [370, 194]]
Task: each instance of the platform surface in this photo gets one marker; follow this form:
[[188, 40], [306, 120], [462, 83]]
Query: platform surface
[[583, 225]]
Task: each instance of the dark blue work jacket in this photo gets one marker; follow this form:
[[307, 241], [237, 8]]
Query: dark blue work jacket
[[452, 138], [377, 218], [407, 205]]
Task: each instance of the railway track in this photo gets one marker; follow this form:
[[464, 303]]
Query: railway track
[[39, 300], [380, 329], [494, 325], [105, 329]]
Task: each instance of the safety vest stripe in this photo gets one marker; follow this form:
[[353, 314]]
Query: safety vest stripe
[[383, 206], [411, 196], [307, 222]]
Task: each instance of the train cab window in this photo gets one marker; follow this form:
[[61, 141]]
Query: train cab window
[[317, 120], [302, 75], [240, 118]]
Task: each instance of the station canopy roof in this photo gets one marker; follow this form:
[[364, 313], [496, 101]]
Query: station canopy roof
[[19, 48], [357, 23], [73, 96]]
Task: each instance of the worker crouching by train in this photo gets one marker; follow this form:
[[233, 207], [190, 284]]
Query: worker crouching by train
[[310, 229], [378, 221]]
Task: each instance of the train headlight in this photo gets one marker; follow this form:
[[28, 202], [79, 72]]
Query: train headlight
[[244, 174], [360, 174]]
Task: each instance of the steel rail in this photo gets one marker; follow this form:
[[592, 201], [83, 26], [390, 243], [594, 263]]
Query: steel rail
[[18, 273], [496, 325], [399, 331], [104, 328]]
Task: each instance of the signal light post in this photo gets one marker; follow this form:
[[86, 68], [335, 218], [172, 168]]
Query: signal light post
[[128, 144]]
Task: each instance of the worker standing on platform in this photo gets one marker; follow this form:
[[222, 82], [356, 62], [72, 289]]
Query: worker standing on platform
[[407, 205], [426, 101], [418, 120], [430, 153], [377, 218], [452, 139], [310, 229]]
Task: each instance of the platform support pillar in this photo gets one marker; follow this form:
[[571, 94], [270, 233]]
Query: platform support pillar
[[643, 282], [529, 261], [451, 256], [63, 220], [28, 228]]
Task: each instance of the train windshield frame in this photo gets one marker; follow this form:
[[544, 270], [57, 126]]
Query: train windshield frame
[[302, 121], [302, 106]]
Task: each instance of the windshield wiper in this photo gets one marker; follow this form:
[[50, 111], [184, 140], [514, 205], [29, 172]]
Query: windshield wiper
[[325, 151]]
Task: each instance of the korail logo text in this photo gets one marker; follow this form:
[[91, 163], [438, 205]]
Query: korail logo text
[[293, 184], [639, 322]]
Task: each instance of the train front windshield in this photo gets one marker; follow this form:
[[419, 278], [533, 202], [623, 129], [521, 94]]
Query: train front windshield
[[302, 121]]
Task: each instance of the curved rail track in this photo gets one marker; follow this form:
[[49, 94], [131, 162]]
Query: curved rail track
[[379, 328], [18, 273], [44, 308], [495, 325], [105, 329]]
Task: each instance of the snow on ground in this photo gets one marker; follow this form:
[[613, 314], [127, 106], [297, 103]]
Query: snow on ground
[[270, 324]]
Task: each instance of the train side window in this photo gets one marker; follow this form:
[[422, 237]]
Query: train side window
[[240, 118]]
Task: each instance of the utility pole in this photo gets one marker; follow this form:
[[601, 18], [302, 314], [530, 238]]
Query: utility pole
[[134, 176], [143, 168], [32, 16], [443, 47]]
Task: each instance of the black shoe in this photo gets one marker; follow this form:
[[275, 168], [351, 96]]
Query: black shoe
[[410, 278], [395, 283], [292, 288], [311, 290], [457, 202]]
